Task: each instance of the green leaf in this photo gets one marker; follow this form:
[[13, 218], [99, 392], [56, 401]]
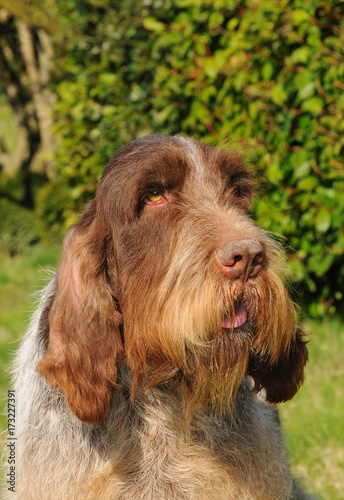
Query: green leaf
[[324, 265], [323, 220], [253, 110], [311, 285], [108, 78], [297, 269], [152, 24], [67, 92], [308, 184], [232, 23], [300, 55], [274, 173], [278, 95], [298, 16], [186, 3], [239, 80], [302, 170], [211, 67], [314, 105], [215, 19], [300, 160], [109, 110], [267, 71], [307, 91]]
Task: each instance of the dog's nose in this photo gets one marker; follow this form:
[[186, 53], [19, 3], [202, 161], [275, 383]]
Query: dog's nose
[[241, 258]]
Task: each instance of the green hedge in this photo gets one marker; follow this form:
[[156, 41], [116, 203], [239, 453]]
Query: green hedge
[[18, 228], [267, 75]]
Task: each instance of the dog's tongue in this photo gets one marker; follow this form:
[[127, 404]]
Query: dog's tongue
[[240, 318]]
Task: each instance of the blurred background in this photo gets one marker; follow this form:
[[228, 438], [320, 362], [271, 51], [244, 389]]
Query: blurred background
[[78, 79]]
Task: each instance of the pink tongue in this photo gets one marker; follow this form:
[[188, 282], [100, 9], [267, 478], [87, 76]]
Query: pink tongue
[[240, 318]]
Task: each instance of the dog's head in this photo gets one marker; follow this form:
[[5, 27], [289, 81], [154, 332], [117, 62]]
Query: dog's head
[[166, 273]]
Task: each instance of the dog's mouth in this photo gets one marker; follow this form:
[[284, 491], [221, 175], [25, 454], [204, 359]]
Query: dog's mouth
[[239, 319]]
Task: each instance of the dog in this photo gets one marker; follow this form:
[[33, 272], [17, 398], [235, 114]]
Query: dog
[[153, 365]]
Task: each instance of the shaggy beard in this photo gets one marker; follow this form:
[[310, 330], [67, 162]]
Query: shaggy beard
[[191, 351]]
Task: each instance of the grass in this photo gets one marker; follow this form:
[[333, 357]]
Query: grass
[[313, 421], [20, 278], [314, 418]]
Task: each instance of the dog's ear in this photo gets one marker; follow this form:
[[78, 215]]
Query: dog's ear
[[84, 341], [283, 378]]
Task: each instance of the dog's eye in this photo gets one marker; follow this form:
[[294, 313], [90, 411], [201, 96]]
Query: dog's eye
[[154, 198]]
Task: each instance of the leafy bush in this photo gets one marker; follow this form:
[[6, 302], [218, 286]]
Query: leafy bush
[[267, 75], [18, 228]]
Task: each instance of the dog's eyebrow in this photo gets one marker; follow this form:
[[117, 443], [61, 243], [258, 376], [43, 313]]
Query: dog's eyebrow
[[230, 163], [168, 169], [235, 173]]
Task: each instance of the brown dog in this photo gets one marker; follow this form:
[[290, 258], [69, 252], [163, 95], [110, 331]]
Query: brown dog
[[132, 383]]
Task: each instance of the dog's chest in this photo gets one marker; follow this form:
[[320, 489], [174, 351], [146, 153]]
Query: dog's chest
[[153, 457]]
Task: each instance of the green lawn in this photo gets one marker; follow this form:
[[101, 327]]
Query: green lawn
[[313, 421], [20, 278]]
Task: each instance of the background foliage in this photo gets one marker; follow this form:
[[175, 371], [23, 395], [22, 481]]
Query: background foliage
[[267, 76]]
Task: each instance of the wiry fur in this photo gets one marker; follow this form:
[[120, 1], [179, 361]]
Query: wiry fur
[[127, 385]]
